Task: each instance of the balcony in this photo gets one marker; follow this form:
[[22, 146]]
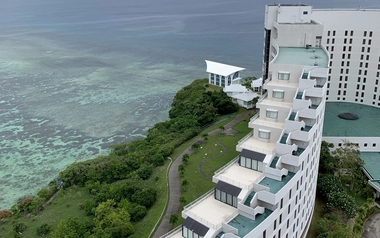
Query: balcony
[[274, 162], [210, 212], [253, 144], [245, 225], [275, 185], [238, 176], [292, 116]]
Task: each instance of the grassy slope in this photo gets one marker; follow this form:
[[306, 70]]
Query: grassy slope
[[64, 205]]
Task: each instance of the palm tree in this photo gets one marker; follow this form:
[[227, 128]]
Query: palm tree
[[182, 200], [173, 219], [185, 158], [181, 169], [184, 184]]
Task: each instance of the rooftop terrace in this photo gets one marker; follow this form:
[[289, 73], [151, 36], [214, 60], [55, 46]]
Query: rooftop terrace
[[276, 185], [211, 212], [368, 124], [238, 176], [245, 225], [302, 56]]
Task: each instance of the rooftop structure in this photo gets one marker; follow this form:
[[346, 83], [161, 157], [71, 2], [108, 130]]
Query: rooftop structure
[[223, 74]]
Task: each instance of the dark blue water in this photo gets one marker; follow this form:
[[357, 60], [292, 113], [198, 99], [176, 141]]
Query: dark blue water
[[77, 76]]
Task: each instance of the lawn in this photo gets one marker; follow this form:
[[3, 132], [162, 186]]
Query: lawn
[[65, 205]]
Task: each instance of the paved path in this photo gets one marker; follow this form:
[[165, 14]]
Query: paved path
[[372, 227], [174, 179]]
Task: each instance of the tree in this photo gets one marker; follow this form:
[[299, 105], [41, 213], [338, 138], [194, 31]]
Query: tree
[[327, 161], [173, 219], [182, 200], [72, 227], [115, 222], [184, 184], [349, 164]]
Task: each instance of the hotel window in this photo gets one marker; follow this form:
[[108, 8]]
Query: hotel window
[[217, 79], [305, 12], [347, 71], [283, 75], [361, 64], [333, 40], [229, 80], [364, 80], [352, 33], [331, 56], [349, 55], [369, 42], [278, 94], [332, 48], [363, 42], [349, 48], [223, 81], [348, 63], [367, 57], [328, 41], [344, 47], [374, 145], [272, 113], [350, 41], [251, 164], [212, 78], [370, 34], [264, 134], [345, 33], [328, 33], [333, 33], [365, 33], [368, 50]]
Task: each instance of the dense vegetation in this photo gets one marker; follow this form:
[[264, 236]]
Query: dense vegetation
[[119, 182], [344, 189]]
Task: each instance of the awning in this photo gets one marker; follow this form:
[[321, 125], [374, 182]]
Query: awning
[[195, 226], [252, 155], [228, 188]]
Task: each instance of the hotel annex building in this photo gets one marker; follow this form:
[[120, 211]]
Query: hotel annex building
[[310, 56]]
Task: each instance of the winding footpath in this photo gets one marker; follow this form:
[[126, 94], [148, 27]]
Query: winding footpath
[[174, 179]]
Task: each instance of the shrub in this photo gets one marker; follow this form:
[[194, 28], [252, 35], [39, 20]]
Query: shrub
[[19, 227], [43, 230]]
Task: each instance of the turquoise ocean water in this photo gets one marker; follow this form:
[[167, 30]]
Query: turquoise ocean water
[[78, 76]]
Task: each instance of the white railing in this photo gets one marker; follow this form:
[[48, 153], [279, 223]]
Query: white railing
[[254, 117], [233, 182], [233, 161], [258, 149], [246, 137], [262, 97], [265, 122], [203, 221], [196, 201], [172, 232]]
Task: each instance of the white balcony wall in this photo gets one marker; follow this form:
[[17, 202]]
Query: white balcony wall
[[294, 70], [299, 104]]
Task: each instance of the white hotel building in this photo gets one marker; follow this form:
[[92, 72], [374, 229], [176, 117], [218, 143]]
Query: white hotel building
[[269, 189]]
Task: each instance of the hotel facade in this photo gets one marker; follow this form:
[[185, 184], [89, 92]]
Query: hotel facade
[[269, 189]]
